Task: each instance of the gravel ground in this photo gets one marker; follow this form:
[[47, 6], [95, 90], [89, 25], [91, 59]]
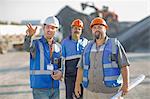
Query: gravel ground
[[14, 75]]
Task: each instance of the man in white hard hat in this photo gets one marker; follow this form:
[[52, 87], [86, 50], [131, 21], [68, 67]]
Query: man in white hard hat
[[45, 67]]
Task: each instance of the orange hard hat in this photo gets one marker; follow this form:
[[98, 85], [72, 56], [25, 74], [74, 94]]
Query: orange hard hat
[[78, 23], [97, 21]]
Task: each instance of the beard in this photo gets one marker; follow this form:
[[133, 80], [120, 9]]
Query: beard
[[97, 35]]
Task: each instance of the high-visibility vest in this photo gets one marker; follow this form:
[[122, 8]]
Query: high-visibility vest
[[111, 70], [39, 75], [71, 52]]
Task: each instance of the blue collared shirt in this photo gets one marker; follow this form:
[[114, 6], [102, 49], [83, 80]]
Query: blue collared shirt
[[71, 51]]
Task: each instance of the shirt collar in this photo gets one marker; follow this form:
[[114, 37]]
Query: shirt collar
[[70, 38], [106, 39], [45, 41]]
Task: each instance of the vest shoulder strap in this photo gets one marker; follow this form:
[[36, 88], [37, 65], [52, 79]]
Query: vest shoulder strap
[[114, 45], [58, 45], [41, 48], [88, 47]]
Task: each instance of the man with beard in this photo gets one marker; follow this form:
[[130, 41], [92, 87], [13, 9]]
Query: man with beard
[[72, 48], [45, 53], [104, 67]]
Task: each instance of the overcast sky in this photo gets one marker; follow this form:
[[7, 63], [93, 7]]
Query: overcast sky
[[17, 10]]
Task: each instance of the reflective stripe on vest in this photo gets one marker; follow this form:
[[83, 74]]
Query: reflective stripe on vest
[[41, 56], [109, 65], [114, 51], [86, 64], [72, 57], [111, 71], [41, 71]]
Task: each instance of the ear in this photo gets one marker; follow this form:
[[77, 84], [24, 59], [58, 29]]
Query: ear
[[105, 30], [43, 26], [57, 29]]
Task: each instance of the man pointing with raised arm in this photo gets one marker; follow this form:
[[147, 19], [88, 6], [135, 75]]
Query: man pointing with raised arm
[[45, 53]]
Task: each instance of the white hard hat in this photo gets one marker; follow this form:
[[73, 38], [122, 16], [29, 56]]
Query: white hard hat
[[52, 20]]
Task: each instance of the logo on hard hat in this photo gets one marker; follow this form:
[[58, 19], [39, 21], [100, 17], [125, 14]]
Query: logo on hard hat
[[78, 23]]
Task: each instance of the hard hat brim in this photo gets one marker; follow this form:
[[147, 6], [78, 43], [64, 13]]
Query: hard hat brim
[[52, 25]]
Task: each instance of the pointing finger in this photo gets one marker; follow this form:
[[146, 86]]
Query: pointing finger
[[27, 25], [30, 25], [35, 28]]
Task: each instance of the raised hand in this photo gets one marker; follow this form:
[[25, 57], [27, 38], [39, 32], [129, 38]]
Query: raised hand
[[30, 31]]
